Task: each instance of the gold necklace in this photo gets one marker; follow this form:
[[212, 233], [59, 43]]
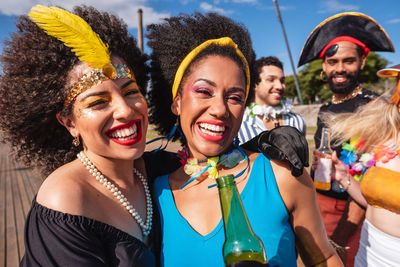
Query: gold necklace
[[350, 96]]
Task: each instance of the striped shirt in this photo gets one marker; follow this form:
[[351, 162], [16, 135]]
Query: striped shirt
[[251, 127]]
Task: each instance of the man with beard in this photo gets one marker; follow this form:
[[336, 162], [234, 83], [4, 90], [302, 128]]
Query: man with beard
[[343, 42]]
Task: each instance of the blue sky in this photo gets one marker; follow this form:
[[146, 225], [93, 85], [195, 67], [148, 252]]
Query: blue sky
[[300, 17]]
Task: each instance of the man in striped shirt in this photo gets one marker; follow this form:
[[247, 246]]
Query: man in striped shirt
[[268, 110]]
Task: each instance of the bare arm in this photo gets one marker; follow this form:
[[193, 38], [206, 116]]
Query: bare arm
[[300, 200], [340, 174], [353, 215]]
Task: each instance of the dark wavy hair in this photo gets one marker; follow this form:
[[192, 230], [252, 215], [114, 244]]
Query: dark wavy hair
[[33, 86], [172, 40], [265, 61]]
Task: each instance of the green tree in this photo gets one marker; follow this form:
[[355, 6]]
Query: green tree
[[373, 63], [312, 86]]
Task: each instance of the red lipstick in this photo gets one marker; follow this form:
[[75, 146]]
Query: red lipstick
[[127, 142], [213, 138]]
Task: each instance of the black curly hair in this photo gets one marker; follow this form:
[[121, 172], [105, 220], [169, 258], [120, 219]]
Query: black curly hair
[[33, 86], [172, 40], [265, 61]]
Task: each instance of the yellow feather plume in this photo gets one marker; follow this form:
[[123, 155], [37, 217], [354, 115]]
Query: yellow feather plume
[[74, 32]]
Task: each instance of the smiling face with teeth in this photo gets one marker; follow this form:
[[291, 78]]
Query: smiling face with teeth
[[269, 91], [342, 69], [111, 117], [211, 105]]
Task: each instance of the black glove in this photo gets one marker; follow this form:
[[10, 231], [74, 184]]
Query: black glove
[[282, 143]]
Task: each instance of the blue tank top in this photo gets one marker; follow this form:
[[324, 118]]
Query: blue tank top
[[265, 209]]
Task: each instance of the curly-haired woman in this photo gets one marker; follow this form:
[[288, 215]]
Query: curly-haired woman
[[95, 210], [206, 61]]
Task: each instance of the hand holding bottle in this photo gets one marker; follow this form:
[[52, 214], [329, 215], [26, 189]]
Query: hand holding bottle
[[339, 172], [323, 163]]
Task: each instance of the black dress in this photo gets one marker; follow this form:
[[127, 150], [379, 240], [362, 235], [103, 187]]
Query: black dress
[[53, 238]]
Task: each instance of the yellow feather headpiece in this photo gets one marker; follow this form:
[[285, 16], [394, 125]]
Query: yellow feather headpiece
[[77, 34]]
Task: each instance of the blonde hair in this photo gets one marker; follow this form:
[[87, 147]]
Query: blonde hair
[[376, 123]]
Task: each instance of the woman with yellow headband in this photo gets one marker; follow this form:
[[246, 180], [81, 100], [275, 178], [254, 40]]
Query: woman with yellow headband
[[369, 169], [73, 84], [206, 60]]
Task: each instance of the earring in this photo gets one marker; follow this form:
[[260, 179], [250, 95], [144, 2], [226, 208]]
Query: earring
[[322, 76], [236, 141], [76, 141]]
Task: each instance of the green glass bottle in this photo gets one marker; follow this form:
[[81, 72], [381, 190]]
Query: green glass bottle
[[241, 244]]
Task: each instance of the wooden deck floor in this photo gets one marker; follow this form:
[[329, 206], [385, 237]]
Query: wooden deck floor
[[18, 186]]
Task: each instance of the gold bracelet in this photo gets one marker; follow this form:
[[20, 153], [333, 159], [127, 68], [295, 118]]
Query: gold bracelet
[[347, 184]]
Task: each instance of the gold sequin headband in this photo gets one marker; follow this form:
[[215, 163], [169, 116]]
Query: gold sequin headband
[[95, 77], [87, 45], [224, 41]]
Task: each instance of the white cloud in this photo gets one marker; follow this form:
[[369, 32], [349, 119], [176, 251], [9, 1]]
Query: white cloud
[[333, 6], [125, 9], [210, 8], [285, 8], [216, 2], [186, 2], [246, 1], [394, 21]]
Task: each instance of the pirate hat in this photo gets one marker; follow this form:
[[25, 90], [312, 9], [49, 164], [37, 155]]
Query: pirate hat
[[348, 26]]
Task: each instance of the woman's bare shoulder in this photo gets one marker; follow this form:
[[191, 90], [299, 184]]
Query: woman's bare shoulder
[[64, 189], [291, 188], [282, 172]]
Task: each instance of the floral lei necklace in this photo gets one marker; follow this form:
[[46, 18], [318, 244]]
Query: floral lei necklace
[[228, 160], [357, 165], [268, 112]]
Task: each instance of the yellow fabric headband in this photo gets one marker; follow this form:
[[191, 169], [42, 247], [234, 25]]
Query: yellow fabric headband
[[224, 41]]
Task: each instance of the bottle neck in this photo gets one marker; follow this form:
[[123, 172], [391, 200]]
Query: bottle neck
[[325, 140], [233, 214]]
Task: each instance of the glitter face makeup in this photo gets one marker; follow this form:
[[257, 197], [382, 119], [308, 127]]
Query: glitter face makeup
[[111, 118], [87, 113]]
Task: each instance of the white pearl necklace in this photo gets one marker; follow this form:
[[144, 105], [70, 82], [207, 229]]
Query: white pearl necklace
[[146, 227]]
